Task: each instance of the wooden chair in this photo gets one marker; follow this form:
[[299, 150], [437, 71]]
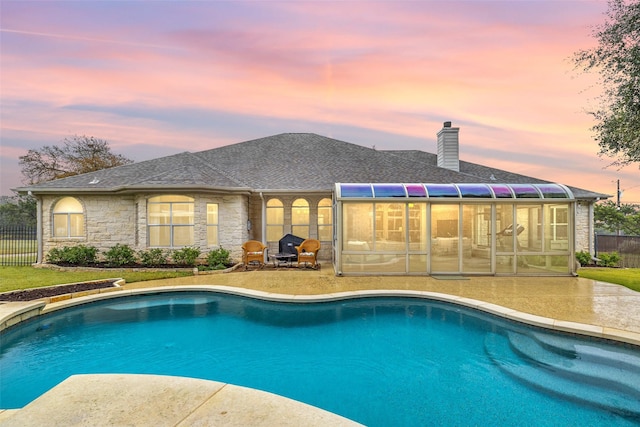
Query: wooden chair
[[308, 252], [253, 251]]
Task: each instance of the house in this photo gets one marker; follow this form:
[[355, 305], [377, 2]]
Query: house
[[375, 212]]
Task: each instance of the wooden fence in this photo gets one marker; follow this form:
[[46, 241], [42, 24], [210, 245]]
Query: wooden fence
[[628, 247], [18, 245]]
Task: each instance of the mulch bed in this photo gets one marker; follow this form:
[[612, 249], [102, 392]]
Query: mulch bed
[[33, 294]]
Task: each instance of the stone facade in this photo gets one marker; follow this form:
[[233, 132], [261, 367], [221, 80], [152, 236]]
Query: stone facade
[[584, 227], [122, 219]]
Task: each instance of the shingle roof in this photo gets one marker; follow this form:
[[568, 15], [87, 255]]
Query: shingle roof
[[284, 162]]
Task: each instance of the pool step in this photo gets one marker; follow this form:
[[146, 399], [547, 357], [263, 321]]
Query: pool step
[[622, 357], [597, 384]]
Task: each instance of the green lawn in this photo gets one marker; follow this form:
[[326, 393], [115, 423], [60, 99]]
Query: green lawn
[[14, 278], [629, 277]]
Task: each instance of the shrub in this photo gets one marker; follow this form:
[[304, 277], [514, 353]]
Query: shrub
[[186, 256], [77, 255], [120, 255], [609, 259], [153, 257], [583, 257], [218, 259]]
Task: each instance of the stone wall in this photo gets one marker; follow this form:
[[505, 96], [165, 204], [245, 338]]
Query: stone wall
[[584, 227], [122, 219]]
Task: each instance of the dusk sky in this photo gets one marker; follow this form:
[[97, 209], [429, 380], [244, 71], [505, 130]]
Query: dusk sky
[[155, 78]]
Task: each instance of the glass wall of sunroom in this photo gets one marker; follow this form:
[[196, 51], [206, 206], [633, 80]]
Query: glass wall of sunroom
[[446, 229]]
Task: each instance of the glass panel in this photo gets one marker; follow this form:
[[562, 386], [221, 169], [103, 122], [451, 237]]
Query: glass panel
[[445, 238], [390, 227], [183, 236], [68, 205], [355, 190], [416, 190], [475, 190], [300, 231], [275, 220], [274, 232], [552, 191], [476, 231], [160, 236], [212, 235], [76, 222], [529, 228], [525, 191], [212, 213], [556, 229], [373, 263], [325, 220], [544, 264], [389, 190], [325, 232], [159, 213], [300, 215], [501, 191], [182, 213], [442, 190], [170, 198], [504, 224], [417, 263], [505, 264], [357, 226], [60, 224], [417, 227]]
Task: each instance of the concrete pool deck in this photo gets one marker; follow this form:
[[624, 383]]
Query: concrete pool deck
[[563, 303]]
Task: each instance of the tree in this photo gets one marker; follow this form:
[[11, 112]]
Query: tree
[[18, 211], [611, 217], [77, 155], [617, 60]]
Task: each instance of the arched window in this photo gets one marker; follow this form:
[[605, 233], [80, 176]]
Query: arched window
[[68, 218], [275, 220], [170, 221], [325, 220], [300, 218]]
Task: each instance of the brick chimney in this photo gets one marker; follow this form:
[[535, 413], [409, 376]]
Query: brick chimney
[[448, 147]]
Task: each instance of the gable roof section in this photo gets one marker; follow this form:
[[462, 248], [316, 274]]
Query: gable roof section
[[281, 163]]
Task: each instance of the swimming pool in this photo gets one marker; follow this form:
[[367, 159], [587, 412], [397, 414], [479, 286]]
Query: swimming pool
[[379, 361]]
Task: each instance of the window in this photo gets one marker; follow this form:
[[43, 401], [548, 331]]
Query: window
[[300, 218], [170, 221], [212, 224], [275, 220], [68, 218], [325, 220]]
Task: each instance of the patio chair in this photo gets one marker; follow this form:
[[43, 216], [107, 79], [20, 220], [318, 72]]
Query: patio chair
[[308, 252], [253, 251]]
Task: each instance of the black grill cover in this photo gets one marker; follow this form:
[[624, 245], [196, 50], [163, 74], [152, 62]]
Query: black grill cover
[[287, 245]]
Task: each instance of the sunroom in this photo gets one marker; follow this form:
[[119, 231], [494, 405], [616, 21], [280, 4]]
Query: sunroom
[[454, 229]]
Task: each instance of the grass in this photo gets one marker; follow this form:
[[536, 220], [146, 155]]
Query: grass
[[629, 277], [15, 278]]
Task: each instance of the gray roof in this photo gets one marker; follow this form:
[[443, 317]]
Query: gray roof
[[293, 162]]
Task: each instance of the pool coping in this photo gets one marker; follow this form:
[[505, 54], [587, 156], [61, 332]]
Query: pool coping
[[23, 311]]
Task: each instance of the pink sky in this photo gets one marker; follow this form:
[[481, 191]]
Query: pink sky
[[155, 78]]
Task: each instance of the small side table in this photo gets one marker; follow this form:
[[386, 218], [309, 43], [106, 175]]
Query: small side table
[[282, 258]]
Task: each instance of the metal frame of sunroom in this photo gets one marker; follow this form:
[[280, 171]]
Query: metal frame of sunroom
[[454, 229]]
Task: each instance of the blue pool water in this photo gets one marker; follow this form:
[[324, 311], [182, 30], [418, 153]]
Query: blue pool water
[[379, 361]]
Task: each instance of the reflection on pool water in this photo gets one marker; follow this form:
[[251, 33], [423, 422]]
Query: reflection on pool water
[[379, 361]]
